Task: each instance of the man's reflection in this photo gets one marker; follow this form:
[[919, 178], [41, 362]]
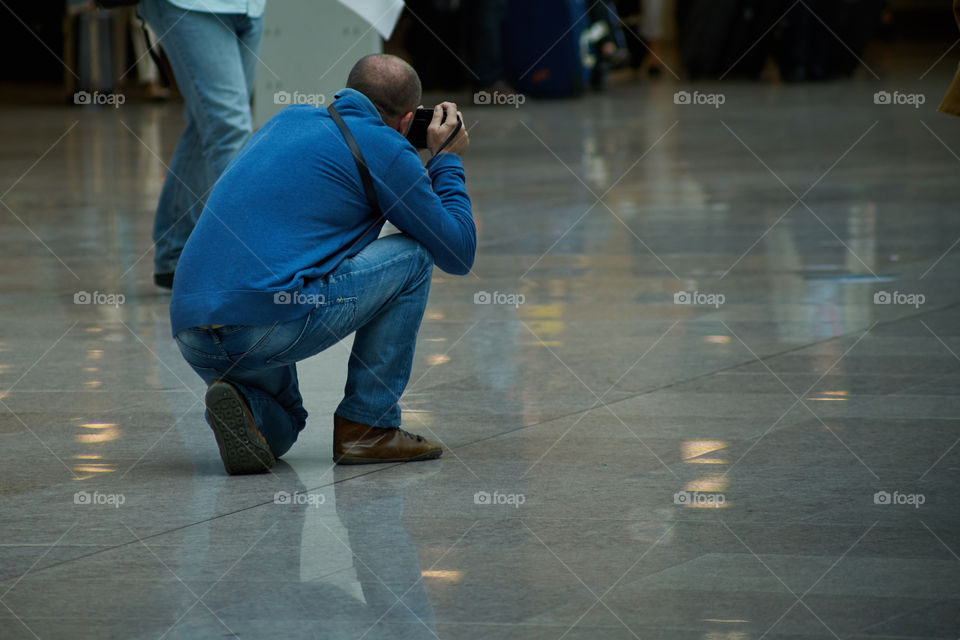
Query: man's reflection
[[332, 563]]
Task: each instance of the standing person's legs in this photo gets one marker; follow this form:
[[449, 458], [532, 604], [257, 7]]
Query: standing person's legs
[[181, 198], [210, 55], [249, 33]]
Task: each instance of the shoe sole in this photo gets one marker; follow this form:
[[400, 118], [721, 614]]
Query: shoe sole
[[242, 448], [430, 455]]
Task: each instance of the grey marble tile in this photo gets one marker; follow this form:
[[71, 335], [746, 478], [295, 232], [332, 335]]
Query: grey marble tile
[[580, 427]]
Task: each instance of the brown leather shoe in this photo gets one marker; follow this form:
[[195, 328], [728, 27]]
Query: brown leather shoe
[[355, 443], [243, 448]]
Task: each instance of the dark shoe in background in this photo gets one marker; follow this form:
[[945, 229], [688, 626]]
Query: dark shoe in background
[[355, 443], [163, 280], [243, 448]]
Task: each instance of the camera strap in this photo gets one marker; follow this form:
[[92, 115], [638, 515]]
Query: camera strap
[[365, 176]]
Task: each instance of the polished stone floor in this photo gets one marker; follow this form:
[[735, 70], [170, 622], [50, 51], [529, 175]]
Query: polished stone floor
[[778, 458]]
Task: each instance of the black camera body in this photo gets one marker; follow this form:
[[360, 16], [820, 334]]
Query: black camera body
[[417, 134]]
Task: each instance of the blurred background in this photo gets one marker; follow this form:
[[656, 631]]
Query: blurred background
[[543, 49], [604, 203]]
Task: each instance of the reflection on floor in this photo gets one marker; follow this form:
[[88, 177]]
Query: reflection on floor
[[702, 383]]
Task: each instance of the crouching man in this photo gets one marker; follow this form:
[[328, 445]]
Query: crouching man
[[285, 262]]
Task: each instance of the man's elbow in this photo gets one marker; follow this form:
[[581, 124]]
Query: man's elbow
[[459, 264]]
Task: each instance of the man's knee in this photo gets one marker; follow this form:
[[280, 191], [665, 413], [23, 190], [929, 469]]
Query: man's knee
[[424, 257], [420, 263], [406, 247]]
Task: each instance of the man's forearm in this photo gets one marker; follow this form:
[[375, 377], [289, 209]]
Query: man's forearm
[[459, 237]]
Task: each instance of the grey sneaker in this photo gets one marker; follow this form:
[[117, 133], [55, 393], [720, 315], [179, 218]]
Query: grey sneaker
[[243, 448]]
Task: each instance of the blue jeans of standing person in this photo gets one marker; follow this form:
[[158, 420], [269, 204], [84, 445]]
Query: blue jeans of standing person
[[380, 293], [214, 57]]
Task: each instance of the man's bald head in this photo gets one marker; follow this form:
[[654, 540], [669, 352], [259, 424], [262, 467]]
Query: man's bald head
[[389, 82]]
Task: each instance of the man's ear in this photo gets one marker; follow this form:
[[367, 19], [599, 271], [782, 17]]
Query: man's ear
[[404, 125]]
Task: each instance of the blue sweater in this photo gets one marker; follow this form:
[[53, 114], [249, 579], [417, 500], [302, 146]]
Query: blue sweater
[[290, 208]]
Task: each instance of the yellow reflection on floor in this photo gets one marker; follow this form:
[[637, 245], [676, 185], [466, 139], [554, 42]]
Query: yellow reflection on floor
[[830, 395], [691, 450], [445, 575], [94, 468], [105, 431], [708, 484]]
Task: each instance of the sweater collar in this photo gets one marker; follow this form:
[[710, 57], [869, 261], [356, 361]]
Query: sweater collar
[[353, 99]]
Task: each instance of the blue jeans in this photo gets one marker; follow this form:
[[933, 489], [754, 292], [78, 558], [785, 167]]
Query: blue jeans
[[380, 293], [214, 57]]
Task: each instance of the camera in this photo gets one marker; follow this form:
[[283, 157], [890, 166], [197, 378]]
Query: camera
[[417, 134]]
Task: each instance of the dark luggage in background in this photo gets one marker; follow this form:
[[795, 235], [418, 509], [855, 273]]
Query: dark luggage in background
[[544, 49], [437, 42], [735, 38], [724, 38], [808, 48]]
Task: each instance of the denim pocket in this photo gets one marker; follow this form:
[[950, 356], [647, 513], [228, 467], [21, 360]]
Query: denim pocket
[[325, 326], [199, 347]]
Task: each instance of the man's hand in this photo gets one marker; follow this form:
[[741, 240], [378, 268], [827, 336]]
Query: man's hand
[[438, 133]]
